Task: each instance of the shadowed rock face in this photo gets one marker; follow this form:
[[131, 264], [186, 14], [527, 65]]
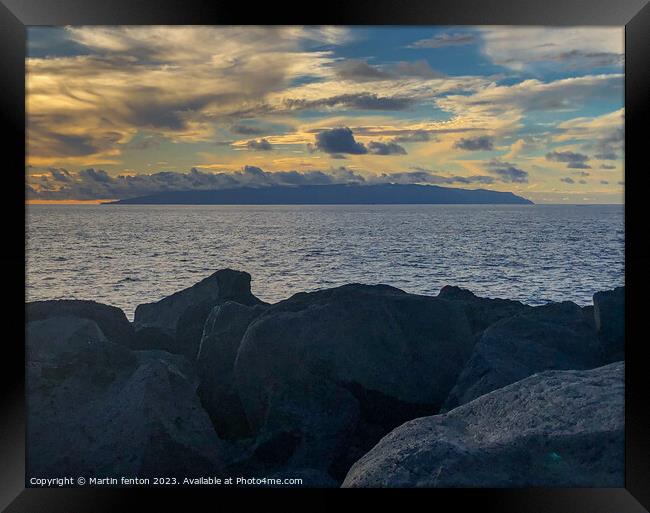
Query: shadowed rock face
[[182, 315], [554, 336], [222, 334], [482, 312], [314, 364], [557, 428], [96, 408], [609, 316], [110, 319]]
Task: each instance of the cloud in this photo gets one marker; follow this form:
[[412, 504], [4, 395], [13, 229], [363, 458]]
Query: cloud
[[567, 179], [171, 82], [482, 143], [360, 71], [87, 184], [361, 101], [604, 134], [442, 40], [414, 136], [573, 160], [523, 48], [607, 166], [604, 182], [259, 145], [245, 130], [501, 108], [507, 172], [421, 175], [606, 156], [339, 141], [380, 148]]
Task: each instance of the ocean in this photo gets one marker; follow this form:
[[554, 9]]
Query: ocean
[[125, 255]]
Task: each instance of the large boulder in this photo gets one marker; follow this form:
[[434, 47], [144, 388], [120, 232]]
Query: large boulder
[[554, 336], [98, 409], [182, 315], [609, 316], [110, 319], [222, 335], [323, 375], [554, 429]]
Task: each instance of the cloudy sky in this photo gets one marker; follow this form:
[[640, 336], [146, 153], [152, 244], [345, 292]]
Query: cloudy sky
[[116, 112]]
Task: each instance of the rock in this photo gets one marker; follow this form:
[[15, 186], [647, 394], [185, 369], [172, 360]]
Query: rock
[[482, 312], [222, 334], [553, 336], [334, 370], [155, 339], [98, 409], [609, 317], [71, 344], [110, 319], [554, 429], [221, 286]]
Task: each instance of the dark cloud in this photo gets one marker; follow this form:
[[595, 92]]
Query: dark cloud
[[604, 182], [572, 159], [482, 143], [360, 71], [607, 166], [606, 156], [421, 175], [361, 101], [567, 179], [144, 144], [339, 141], [581, 58], [259, 145], [419, 69], [413, 137], [97, 184], [391, 148], [92, 183], [245, 130], [507, 172], [442, 40]]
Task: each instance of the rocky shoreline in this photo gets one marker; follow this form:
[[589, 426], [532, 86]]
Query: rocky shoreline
[[359, 385]]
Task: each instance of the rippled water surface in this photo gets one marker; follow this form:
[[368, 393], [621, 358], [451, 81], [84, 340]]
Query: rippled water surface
[[129, 254]]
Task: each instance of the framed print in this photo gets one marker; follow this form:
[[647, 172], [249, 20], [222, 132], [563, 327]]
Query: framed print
[[287, 254]]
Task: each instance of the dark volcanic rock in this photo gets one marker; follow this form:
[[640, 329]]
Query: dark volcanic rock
[[557, 428], [155, 339], [482, 312], [97, 409], [110, 319], [609, 316], [222, 335], [316, 367], [553, 336], [182, 315]]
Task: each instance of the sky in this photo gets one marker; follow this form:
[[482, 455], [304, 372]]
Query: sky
[[122, 111]]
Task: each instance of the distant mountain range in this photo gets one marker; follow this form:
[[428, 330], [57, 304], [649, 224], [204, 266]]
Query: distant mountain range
[[337, 194]]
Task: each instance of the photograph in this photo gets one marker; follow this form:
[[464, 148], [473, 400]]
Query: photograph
[[325, 256]]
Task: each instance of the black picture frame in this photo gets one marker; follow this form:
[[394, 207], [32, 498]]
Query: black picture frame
[[15, 15]]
